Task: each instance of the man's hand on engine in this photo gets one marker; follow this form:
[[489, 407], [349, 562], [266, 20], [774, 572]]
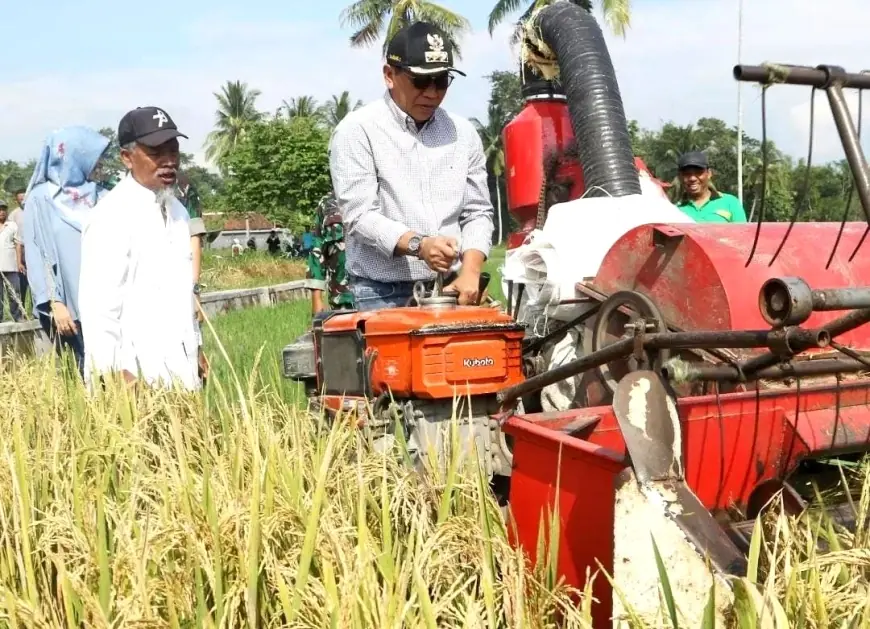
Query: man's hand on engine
[[439, 253], [467, 284]]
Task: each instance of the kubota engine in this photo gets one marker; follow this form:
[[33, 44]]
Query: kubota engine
[[418, 367]]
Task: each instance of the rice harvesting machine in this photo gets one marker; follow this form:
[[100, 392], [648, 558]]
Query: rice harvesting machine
[[714, 367]]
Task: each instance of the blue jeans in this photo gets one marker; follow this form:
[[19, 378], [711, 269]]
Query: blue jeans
[[372, 295]]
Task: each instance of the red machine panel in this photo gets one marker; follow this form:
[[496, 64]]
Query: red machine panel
[[541, 128], [732, 447], [699, 278]]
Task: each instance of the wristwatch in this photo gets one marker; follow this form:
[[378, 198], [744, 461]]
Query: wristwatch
[[414, 245], [197, 289]]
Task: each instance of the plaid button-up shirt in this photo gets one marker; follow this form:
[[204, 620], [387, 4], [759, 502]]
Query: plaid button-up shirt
[[390, 178]]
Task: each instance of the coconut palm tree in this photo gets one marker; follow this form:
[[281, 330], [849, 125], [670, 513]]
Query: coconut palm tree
[[236, 109], [374, 19], [336, 109], [301, 107], [493, 148], [617, 13]]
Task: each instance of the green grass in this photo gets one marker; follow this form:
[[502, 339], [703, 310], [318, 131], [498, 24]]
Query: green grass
[[257, 334], [144, 508], [239, 510], [493, 267]]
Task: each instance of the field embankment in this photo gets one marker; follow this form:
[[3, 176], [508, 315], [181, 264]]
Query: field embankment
[[252, 269]]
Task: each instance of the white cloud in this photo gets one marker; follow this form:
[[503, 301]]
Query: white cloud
[[674, 64], [826, 140], [677, 61]]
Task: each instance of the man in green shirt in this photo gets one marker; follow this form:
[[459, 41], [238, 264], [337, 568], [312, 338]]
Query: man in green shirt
[[699, 199]]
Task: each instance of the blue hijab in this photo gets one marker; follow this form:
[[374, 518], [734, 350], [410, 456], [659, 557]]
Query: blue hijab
[[58, 202], [67, 160]]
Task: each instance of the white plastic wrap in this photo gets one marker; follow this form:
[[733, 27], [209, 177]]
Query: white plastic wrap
[[573, 243], [562, 395]]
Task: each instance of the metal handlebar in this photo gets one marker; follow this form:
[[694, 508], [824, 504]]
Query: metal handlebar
[[833, 80], [819, 77]]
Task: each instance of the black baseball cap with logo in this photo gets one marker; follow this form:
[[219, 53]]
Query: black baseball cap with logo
[[423, 49], [150, 126], [693, 159]]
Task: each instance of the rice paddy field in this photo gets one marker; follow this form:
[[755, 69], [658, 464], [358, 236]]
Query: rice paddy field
[[239, 508], [221, 271]]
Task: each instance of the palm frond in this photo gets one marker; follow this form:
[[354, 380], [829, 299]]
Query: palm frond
[[236, 109], [617, 14], [368, 17], [500, 11], [363, 12], [453, 24]]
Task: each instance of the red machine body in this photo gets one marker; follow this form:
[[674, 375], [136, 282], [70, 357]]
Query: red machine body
[[541, 129], [698, 275], [738, 447]]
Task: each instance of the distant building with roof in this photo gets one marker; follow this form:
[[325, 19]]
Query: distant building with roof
[[223, 229]]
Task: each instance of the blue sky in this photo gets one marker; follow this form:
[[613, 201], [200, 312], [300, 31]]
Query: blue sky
[[60, 67]]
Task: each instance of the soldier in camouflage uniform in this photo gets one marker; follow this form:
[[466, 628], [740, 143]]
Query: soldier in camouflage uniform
[[326, 259]]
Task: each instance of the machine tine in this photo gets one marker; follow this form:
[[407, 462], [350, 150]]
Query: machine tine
[[764, 165], [848, 210], [650, 425], [804, 199]]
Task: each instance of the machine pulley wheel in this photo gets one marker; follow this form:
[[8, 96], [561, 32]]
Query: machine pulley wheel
[[609, 328]]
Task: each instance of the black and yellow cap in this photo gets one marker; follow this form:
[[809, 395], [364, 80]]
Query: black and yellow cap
[[422, 48]]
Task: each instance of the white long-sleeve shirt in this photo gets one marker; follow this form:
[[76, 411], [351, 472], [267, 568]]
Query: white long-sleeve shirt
[[136, 289]]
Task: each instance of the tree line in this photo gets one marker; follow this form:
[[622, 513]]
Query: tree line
[[819, 193], [277, 162]]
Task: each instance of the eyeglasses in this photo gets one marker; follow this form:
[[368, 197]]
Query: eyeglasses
[[440, 81]]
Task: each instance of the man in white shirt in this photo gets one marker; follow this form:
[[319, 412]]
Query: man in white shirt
[[10, 262], [17, 217], [137, 285], [410, 180]]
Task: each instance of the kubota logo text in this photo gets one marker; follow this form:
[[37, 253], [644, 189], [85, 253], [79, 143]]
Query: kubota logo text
[[471, 363]]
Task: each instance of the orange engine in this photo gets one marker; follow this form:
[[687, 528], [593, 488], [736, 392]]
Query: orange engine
[[424, 353]]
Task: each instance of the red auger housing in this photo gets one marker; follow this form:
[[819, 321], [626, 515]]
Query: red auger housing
[[541, 156]]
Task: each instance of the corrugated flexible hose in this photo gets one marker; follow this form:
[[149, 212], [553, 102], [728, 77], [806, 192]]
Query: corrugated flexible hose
[[595, 104]]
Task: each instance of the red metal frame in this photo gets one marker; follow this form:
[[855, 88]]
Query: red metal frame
[[585, 494], [731, 445], [698, 277]]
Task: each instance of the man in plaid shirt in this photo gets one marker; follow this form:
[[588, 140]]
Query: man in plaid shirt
[[410, 180]]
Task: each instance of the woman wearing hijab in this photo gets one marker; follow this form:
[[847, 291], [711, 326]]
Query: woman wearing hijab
[[59, 198]]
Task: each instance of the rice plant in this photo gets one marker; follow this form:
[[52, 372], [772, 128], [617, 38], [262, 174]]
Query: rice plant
[[236, 509]]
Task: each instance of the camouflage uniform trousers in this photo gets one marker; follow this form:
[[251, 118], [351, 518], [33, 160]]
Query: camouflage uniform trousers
[[326, 262]]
